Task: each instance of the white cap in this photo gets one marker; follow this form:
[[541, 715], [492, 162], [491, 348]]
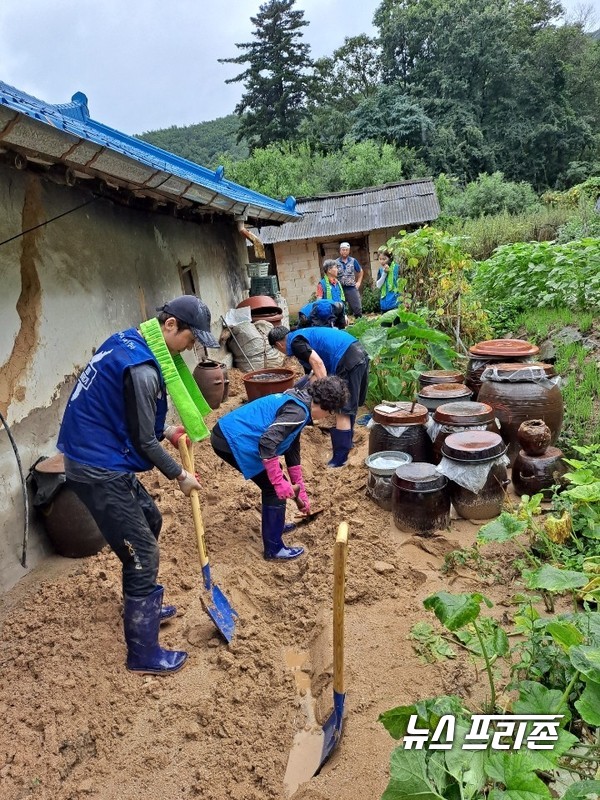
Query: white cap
[[344, 244]]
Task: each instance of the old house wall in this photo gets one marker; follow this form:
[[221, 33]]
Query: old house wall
[[68, 285], [298, 271]]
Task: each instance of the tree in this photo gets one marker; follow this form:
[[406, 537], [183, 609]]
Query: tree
[[277, 78], [391, 116]]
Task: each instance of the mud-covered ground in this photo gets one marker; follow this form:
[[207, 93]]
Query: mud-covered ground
[[76, 724]]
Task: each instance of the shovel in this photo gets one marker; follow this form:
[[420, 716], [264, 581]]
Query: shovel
[[221, 612], [312, 748]]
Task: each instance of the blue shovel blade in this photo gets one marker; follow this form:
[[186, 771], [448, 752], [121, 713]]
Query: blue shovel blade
[[221, 613], [332, 729]]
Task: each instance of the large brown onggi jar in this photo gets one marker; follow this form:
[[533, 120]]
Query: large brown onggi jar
[[400, 426], [475, 464], [420, 499], [210, 377], [519, 392], [495, 351], [458, 417]]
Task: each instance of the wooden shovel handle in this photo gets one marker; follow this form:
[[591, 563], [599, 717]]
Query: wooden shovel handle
[[187, 459], [340, 552]]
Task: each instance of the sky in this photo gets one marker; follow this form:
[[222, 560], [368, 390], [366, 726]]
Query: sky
[[150, 64]]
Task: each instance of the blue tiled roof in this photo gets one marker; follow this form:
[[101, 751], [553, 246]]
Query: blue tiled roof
[[192, 181]]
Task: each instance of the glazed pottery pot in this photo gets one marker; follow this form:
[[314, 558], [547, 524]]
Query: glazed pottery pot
[[420, 499], [533, 474], [439, 393], [458, 417], [271, 380], [534, 436], [477, 451], [397, 427], [520, 392], [494, 351], [433, 376], [381, 468], [210, 377]]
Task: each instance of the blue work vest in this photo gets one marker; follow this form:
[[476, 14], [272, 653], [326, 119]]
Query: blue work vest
[[320, 309], [389, 292], [329, 343], [94, 427], [244, 426], [332, 291]]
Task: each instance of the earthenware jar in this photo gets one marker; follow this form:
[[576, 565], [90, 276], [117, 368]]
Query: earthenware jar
[[533, 474], [439, 393], [432, 376], [534, 436], [210, 377], [381, 468], [458, 417], [494, 351], [520, 392], [475, 464], [401, 426], [420, 499]]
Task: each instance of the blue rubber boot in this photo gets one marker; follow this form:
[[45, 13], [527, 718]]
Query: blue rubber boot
[[273, 520], [141, 621], [341, 441], [167, 613]]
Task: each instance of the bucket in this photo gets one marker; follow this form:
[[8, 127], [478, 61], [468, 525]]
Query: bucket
[[381, 467], [271, 380], [210, 377]]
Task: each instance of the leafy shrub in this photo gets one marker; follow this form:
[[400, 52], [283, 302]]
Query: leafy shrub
[[488, 195], [542, 274], [370, 299]]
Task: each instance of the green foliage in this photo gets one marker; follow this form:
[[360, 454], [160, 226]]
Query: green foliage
[[437, 269], [490, 195], [299, 169], [370, 299], [542, 274], [400, 345], [389, 115], [276, 80], [204, 143]]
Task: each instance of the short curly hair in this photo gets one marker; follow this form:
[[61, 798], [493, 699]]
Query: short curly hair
[[277, 334], [328, 264], [331, 393]]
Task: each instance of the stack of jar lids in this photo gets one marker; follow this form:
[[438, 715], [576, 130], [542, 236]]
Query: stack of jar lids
[[433, 376]]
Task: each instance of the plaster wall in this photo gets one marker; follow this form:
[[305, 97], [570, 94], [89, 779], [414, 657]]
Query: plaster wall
[[68, 285]]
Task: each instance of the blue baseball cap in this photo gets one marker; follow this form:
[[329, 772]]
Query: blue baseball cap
[[193, 312]]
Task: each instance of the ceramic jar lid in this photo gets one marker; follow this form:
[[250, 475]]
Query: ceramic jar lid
[[504, 348], [438, 390], [464, 413], [399, 413], [54, 464], [419, 476], [534, 369], [433, 376], [473, 446]]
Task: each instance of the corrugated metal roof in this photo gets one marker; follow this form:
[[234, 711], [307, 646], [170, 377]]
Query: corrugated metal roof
[[65, 133], [389, 206]]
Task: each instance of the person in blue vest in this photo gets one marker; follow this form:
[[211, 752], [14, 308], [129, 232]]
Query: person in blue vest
[[253, 437], [329, 287], [322, 314], [111, 429], [388, 281], [350, 275], [327, 351]]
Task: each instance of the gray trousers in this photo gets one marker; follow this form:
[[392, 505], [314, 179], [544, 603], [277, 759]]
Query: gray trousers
[[353, 299]]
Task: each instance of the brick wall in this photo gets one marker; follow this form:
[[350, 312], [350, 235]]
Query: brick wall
[[298, 271]]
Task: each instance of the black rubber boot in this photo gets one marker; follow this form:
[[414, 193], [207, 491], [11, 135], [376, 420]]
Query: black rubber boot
[[273, 520], [141, 621], [341, 441]]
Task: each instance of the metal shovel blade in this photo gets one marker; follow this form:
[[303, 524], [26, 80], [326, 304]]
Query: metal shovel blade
[[221, 614], [332, 729]]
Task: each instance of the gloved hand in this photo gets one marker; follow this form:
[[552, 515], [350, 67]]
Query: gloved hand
[[188, 482], [283, 488], [173, 434], [297, 478]]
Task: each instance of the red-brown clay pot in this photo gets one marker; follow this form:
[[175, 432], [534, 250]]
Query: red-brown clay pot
[[534, 436]]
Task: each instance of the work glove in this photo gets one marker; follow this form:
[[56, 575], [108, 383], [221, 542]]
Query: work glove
[[283, 488], [297, 478], [188, 482], [173, 434]]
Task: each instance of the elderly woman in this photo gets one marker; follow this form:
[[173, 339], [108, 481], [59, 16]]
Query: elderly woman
[[253, 437], [329, 288]]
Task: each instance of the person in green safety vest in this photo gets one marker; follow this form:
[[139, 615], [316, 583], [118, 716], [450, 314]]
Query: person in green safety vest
[[388, 281], [329, 288]]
